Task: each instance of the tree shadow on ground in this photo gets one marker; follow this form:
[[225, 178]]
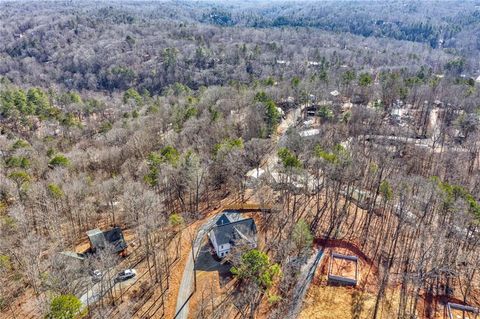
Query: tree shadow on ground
[[358, 302], [208, 261]]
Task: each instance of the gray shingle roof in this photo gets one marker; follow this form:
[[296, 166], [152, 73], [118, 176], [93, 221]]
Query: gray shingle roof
[[229, 233], [223, 220], [114, 236], [228, 216]]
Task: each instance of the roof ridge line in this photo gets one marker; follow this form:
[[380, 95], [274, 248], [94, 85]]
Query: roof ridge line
[[234, 222]]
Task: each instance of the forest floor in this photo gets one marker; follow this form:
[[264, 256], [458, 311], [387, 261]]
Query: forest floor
[[305, 278], [25, 308], [177, 274], [329, 302], [435, 307]]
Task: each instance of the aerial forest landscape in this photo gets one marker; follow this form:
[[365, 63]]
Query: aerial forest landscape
[[240, 159]]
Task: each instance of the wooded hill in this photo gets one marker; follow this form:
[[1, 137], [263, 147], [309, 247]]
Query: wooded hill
[[147, 115]]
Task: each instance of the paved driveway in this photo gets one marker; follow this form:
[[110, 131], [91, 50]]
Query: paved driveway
[[185, 290]]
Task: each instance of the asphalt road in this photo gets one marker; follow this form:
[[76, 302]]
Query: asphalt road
[[97, 290]]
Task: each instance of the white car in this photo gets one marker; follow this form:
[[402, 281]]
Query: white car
[[125, 275], [96, 275]]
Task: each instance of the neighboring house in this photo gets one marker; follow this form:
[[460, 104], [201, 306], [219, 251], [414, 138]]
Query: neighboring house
[[99, 239], [283, 62], [335, 93], [287, 104], [229, 229]]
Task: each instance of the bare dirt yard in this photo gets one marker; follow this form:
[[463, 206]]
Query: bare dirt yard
[[341, 267], [324, 301]]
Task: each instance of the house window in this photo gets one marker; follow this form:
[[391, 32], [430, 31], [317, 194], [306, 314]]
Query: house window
[[221, 246], [221, 254]]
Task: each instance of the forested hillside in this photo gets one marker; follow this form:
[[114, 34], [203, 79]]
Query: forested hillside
[[95, 47], [348, 127]]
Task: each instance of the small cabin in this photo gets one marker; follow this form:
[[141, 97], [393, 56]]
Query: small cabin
[[113, 237]]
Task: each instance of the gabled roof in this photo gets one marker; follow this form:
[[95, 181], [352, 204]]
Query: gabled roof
[[233, 215], [237, 230], [97, 240], [114, 236], [223, 220]]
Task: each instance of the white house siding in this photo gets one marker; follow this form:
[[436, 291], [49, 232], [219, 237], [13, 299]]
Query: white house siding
[[211, 235], [223, 250]]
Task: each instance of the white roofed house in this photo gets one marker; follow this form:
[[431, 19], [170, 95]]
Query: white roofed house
[[335, 93], [283, 62], [231, 229], [253, 176]]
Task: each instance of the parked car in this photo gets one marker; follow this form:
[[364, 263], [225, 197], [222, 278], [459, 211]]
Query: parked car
[[96, 275], [125, 275]]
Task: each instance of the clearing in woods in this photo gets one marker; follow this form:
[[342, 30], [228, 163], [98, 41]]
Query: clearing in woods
[[324, 301]]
